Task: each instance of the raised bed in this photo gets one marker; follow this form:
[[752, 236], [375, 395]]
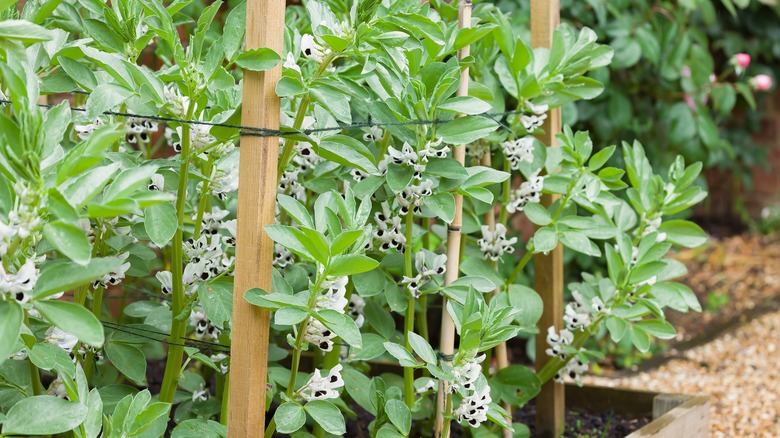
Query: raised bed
[[674, 415]]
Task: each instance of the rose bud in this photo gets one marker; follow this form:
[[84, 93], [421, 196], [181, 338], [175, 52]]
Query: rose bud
[[761, 82], [742, 59]]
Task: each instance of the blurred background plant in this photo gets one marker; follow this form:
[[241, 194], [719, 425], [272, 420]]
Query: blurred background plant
[[689, 77]]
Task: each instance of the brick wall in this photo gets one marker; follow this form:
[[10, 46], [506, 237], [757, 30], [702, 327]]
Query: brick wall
[[766, 182]]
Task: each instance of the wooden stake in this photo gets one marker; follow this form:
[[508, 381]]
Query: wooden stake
[[256, 205], [447, 333], [548, 278]]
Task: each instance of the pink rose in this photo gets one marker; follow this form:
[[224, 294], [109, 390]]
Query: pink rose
[[742, 59], [761, 82]]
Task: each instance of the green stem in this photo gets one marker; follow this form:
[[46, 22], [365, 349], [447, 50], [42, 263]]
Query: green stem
[[289, 143], [269, 432], [519, 268], [445, 432], [409, 318], [97, 307], [35, 376], [178, 325], [506, 192], [223, 414]]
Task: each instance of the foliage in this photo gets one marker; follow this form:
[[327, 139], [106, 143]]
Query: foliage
[[675, 83], [98, 203]]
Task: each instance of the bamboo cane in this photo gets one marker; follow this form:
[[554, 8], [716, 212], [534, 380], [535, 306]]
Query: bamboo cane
[[254, 249], [447, 333]]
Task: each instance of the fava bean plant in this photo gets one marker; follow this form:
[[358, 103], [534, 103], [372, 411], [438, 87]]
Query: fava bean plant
[[117, 234]]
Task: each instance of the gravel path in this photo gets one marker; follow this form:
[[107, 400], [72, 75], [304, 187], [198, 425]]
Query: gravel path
[[740, 371]]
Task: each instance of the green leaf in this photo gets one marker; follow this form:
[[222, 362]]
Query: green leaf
[[342, 325], [537, 214], [43, 415], [617, 328], [129, 181], [443, 206], [160, 223], [60, 275], [289, 316], [657, 327], [640, 339], [399, 415], [466, 129], [403, 355], [69, 240], [295, 209], [23, 31], [289, 417], [422, 348], [685, 233], [74, 319], [259, 59], [11, 316], [351, 264], [327, 415], [465, 105], [105, 97], [545, 240], [128, 359], [199, 428], [346, 151], [216, 298]]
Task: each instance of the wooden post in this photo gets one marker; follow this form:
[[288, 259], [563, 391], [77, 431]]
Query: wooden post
[[447, 332], [548, 278], [256, 205]]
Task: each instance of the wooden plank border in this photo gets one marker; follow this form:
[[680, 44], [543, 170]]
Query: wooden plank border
[[256, 207]]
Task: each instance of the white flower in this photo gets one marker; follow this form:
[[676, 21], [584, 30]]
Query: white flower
[[311, 49], [519, 151], [355, 309], [406, 156], [474, 408], [140, 130], [116, 277], [373, 133], [438, 267], [224, 178], [429, 385], [84, 131], [166, 281], [61, 338], [494, 244], [413, 285], [322, 388], [574, 370], [200, 394], [21, 284], [179, 104], [467, 373], [158, 182], [558, 341], [290, 63], [203, 327], [57, 389], [575, 319], [529, 191], [282, 256], [532, 122]]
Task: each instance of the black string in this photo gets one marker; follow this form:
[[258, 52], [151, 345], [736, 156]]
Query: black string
[[200, 345], [252, 131]]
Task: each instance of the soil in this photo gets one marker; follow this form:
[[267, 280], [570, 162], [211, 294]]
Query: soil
[[579, 424]]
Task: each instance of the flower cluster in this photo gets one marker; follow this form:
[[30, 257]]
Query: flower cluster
[[574, 370], [557, 342], [139, 131], [113, 278], [466, 373], [519, 151], [203, 327], [289, 185], [494, 244], [424, 272], [84, 131], [408, 156], [578, 315], [322, 388], [23, 219], [473, 409], [21, 284], [529, 191], [282, 256], [532, 122], [333, 299], [412, 197], [388, 230]]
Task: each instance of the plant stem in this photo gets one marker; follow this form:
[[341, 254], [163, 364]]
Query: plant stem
[[97, 307], [519, 268], [178, 326], [447, 414], [289, 143], [35, 376], [223, 414], [409, 318]]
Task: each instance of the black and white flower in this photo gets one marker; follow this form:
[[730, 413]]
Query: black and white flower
[[322, 388], [494, 244]]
